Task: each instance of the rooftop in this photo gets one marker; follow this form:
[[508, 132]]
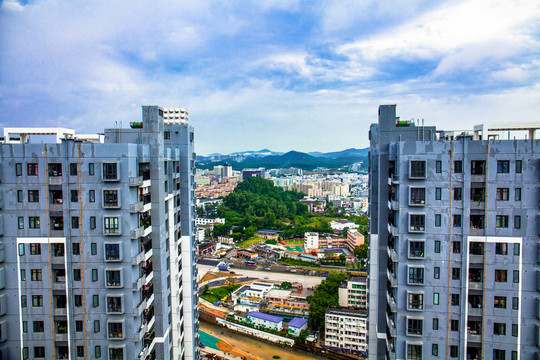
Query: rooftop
[[297, 322], [278, 293], [263, 316], [346, 312]]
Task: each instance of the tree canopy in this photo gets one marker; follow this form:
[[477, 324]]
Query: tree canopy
[[324, 296]]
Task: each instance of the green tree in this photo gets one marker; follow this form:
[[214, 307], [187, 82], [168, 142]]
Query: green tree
[[361, 251], [324, 296], [285, 285]]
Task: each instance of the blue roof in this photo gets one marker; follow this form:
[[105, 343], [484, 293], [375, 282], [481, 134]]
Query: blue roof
[[297, 322], [263, 316], [270, 231], [335, 250]]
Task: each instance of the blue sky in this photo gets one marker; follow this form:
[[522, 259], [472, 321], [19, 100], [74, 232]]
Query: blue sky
[[283, 75]]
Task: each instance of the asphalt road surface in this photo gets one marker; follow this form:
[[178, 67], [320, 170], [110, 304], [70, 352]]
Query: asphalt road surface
[[306, 280]]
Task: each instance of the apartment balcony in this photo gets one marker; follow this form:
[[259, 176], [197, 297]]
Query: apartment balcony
[[2, 252], [60, 311], [137, 207], [392, 229], [476, 311], [137, 233], [474, 337], [55, 180], [137, 285], [391, 325], [59, 283], [391, 301], [476, 232], [391, 278], [150, 301], [476, 285], [147, 231], [60, 337], [58, 260], [476, 259], [478, 205], [135, 181], [392, 254], [137, 259]]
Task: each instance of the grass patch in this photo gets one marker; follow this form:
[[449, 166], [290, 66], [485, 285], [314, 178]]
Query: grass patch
[[295, 262], [216, 294], [249, 242], [295, 242]]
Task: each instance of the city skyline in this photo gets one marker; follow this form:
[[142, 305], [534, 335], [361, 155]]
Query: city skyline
[[285, 69]]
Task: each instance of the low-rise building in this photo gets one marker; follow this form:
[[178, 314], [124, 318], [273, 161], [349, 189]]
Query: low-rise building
[[311, 240], [205, 221], [207, 248], [353, 292], [346, 330], [269, 234], [354, 238], [278, 296], [265, 320], [296, 325], [226, 240], [247, 254], [249, 297], [340, 225]]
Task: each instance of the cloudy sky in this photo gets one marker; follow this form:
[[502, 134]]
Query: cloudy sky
[[284, 75]]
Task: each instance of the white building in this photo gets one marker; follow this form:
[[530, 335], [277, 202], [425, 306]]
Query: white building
[[353, 292], [266, 320], [311, 240], [341, 224], [205, 221], [296, 325], [346, 329]]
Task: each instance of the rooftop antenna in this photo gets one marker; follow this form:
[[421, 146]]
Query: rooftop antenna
[[422, 129]]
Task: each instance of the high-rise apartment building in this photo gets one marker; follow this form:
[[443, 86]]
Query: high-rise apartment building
[[97, 251], [454, 231]]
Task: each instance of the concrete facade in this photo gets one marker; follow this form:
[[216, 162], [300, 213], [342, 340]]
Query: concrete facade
[[453, 243], [98, 240], [353, 292], [346, 330]]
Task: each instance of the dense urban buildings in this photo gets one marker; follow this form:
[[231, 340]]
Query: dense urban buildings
[[346, 330], [453, 241], [98, 255]]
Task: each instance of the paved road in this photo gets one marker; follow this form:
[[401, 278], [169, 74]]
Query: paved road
[[307, 281]]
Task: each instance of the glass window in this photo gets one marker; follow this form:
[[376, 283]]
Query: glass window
[[458, 194], [33, 195], [114, 304], [519, 166], [167, 135], [456, 247], [417, 222], [76, 274], [502, 194], [516, 276], [454, 325], [94, 275], [458, 166], [93, 248], [515, 303], [115, 330], [80, 351], [21, 249], [92, 195], [436, 272], [110, 198], [97, 352], [73, 169], [78, 325], [517, 223], [33, 222], [74, 222], [501, 248], [418, 196], [39, 352], [416, 301], [499, 329], [435, 324], [418, 169], [416, 249], [35, 249], [454, 350], [25, 326], [416, 275], [517, 194], [116, 353], [515, 330], [516, 249], [478, 167], [435, 298], [456, 220], [23, 301], [414, 326], [39, 326], [23, 275], [113, 278], [76, 249], [111, 225], [20, 219], [112, 252], [91, 169], [499, 302], [501, 221], [110, 171], [33, 169], [35, 274], [92, 222], [19, 196], [438, 166], [78, 300], [437, 246], [454, 299], [37, 300], [74, 195], [95, 300], [438, 193], [437, 220], [18, 169], [503, 166], [97, 326], [456, 273], [500, 275]]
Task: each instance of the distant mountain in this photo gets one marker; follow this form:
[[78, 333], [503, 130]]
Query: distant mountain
[[296, 159]]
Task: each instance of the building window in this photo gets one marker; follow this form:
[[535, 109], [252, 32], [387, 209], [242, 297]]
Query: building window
[[35, 249], [92, 195], [97, 326], [418, 169], [519, 166], [456, 273], [94, 275], [110, 171], [416, 249], [435, 298], [111, 225], [478, 167], [454, 300], [456, 247], [112, 252], [499, 354], [33, 169], [416, 275], [78, 300], [39, 351], [116, 353], [167, 135], [414, 326], [416, 301], [95, 300], [91, 169], [437, 246], [73, 169], [456, 220], [115, 330], [23, 275], [437, 220], [517, 224], [39, 326], [438, 166], [458, 193], [517, 194], [33, 195], [35, 274], [454, 325], [515, 330], [501, 221], [25, 327], [19, 196], [438, 193], [74, 222], [501, 248], [458, 166], [516, 276], [503, 166], [75, 249], [78, 326], [499, 329], [80, 351], [33, 222], [18, 169], [417, 196], [92, 222], [502, 194], [114, 304], [515, 303], [110, 198], [436, 272], [500, 275], [97, 352], [516, 249], [76, 274], [417, 222], [37, 300], [23, 301], [74, 195], [93, 248], [500, 302], [113, 278], [435, 324], [454, 350], [20, 219]]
